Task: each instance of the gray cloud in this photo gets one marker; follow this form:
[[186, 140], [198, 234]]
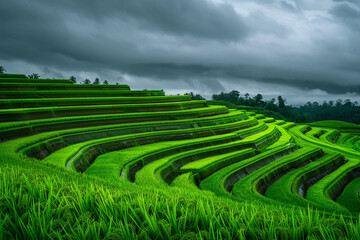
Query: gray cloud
[[194, 18], [162, 72], [348, 15], [349, 1], [346, 12], [287, 6], [189, 45]]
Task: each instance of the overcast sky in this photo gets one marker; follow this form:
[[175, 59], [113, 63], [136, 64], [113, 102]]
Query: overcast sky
[[304, 50]]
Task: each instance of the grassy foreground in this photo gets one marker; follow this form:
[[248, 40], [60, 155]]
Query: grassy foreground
[[37, 205]]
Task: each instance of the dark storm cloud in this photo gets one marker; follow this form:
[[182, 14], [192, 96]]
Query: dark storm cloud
[[308, 84], [165, 71], [196, 18], [349, 15], [39, 32], [346, 12], [202, 45]]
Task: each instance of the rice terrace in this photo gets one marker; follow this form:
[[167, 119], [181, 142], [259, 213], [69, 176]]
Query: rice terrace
[[180, 119], [84, 161]]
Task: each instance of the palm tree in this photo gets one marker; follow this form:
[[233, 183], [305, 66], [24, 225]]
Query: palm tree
[[73, 79], [34, 75], [97, 81]]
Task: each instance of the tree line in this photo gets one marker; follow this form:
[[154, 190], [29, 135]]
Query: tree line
[[72, 78], [342, 110], [277, 105], [87, 81]]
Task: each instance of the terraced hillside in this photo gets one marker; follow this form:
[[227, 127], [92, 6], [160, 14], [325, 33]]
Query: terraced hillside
[[112, 134]]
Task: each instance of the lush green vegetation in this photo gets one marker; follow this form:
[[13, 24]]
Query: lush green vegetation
[[342, 110], [100, 161]]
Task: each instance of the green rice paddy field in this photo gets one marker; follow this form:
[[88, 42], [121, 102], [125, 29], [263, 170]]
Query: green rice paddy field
[[107, 162]]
